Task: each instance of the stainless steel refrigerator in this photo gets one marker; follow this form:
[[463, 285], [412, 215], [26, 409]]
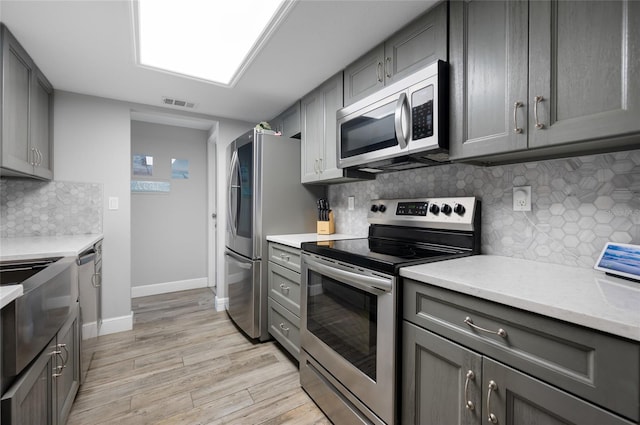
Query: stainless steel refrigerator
[[264, 197]]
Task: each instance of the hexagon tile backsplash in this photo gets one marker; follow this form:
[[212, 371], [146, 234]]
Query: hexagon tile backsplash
[[578, 204], [39, 208]]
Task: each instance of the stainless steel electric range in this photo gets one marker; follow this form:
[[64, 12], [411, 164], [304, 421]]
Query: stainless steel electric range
[[350, 301]]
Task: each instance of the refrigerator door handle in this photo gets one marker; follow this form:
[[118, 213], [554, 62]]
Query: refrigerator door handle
[[232, 218]]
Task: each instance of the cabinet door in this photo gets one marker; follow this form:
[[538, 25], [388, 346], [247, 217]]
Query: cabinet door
[[319, 132], [332, 94], [67, 366], [312, 135], [17, 70], [30, 400], [488, 56], [420, 43], [41, 108], [439, 380], [291, 121], [516, 398], [364, 76], [585, 67]]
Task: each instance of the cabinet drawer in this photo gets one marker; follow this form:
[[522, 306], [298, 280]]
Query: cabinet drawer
[[284, 287], [285, 256], [284, 326], [598, 367]]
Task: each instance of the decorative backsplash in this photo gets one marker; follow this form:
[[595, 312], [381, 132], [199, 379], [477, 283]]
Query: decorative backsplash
[[37, 208], [578, 204]]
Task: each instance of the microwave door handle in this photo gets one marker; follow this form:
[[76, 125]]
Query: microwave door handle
[[402, 120], [372, 285]]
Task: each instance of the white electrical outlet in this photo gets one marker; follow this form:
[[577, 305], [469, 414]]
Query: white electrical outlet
[[351, 203], [113, 202], [522, 198]]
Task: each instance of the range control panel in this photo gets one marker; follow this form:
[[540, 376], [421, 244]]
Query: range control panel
[[438, 213]]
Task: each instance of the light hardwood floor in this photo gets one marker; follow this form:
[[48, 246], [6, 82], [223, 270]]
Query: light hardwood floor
[[185, 363]]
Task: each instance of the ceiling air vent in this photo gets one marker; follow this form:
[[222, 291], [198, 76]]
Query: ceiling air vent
[[178, 103]]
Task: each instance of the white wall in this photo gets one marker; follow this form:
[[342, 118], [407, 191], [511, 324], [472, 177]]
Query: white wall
[[169, 229], [92, 143]]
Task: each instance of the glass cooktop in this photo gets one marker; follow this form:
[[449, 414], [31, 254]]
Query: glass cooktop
[[380, 254]]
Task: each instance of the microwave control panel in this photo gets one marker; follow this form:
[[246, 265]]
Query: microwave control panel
[[422, 113]]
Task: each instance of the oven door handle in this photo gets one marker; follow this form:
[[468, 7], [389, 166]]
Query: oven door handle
[[372, 285]]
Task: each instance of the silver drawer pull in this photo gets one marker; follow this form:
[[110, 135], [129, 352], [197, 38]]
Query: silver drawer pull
[[284, 287], [283, 327], [500, 332], [492, 387], [468, 403], [285, 257]]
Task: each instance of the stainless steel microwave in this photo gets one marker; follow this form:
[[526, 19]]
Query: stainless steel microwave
[[402, 126]]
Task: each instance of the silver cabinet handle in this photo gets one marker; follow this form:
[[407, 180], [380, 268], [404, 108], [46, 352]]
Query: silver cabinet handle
[[283, 327], [492, 387], [57, 353], [284, 256], [320, 167], [516, 129], [500, 332], [379, 72], [40, 157], [65, 359], [33, 157], [536, 101], [387, 64], [284, 287], [468, 403]]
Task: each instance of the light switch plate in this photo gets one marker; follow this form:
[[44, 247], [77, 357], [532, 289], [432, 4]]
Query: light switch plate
[[113, 203], [351, 203]]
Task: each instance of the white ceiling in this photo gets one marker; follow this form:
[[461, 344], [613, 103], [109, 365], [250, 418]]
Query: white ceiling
[[88, 47]]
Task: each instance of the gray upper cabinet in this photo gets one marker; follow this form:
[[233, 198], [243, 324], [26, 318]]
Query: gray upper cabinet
[[27, 98], [420, 43], [584, 71], [318, 111], [543, 78], [288, 122]]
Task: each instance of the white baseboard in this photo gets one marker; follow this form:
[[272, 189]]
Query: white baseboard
[[89, 330], [166, 287], [221, 303], [117, 324]]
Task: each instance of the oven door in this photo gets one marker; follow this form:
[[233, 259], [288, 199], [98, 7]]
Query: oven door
[[349, 328]]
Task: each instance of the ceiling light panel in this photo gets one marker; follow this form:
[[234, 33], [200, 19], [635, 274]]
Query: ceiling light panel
[[205, 39]]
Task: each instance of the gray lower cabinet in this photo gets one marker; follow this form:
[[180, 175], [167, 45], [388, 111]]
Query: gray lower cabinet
[[543, 78], [44, 392], [471, 361], [415, 46], [284, 296], [26, 117]]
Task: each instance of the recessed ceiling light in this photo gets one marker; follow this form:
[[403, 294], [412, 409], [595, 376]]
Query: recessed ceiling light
[[212, 40]]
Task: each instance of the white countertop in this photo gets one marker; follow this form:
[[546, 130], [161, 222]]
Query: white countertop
[[295, 240], [581, 296], [9, 293], [31, 248], [34, 247]]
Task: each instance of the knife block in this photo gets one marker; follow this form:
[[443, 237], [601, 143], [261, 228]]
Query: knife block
[[327, 227]]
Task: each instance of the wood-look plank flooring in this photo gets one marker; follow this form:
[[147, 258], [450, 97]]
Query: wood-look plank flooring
[[185, 363]]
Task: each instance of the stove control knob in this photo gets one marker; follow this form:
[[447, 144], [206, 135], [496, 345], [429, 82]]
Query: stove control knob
[[446, 209], [434, 209], [374, 208], [459, 209], [382, 208]]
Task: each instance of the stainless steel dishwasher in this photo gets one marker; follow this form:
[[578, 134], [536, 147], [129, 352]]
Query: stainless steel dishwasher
[[89, 284]]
